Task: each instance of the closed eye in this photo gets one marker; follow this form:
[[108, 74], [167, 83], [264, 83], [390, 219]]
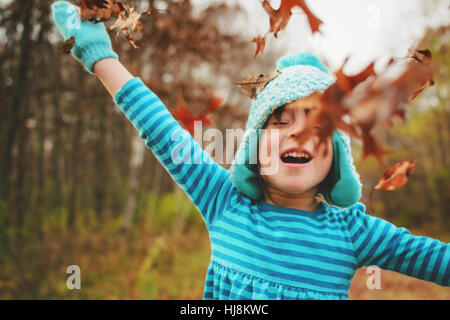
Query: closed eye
[[280, 123]]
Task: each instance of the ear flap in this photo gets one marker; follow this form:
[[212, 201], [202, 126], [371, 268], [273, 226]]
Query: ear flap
[[341, 187]]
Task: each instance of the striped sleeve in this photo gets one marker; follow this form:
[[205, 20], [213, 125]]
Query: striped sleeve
[[379, 242], [206, 183]]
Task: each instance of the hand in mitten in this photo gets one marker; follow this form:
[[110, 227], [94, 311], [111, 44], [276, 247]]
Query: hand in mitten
[[92, 42]]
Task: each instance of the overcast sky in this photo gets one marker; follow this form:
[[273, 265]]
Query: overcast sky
[[365, 30]]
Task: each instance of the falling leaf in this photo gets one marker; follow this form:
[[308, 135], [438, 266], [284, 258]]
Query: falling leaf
[[128, 22], [260, 44], [280, 18], [187, 119], [127, 18], [251, 85], [100, 10], [372, 100], [424, 58], [67, 45], [215, 102], [396, 176], [348, 83]]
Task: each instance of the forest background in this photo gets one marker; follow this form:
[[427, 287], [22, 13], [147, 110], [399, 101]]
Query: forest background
[[78, 187]]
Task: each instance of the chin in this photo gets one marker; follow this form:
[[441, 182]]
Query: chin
[[292, 189]]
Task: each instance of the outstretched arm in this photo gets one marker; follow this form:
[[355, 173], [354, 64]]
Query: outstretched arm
[[379, 242], [112, 74], [206, 183]]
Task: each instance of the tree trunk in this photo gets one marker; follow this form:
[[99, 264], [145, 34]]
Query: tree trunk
[[57, 147], [76, 150], [19, 92], [101, 176], [137, 158]]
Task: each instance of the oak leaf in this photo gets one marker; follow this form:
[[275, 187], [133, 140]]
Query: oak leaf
[[394, 177], [187, 119], [67, 46], [279, 19], [251, 85]]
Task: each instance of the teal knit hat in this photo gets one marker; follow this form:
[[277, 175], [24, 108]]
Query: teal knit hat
[[300, 75]]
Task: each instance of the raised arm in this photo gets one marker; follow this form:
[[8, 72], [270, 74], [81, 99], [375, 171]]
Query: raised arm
[[206, 183], [112, 74]]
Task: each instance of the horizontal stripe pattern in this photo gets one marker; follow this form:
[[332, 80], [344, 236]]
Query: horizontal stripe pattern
[[206, 183], [379, 242], [261, 251]]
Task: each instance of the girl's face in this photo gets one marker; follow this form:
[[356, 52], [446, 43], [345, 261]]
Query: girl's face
[[281, 158]]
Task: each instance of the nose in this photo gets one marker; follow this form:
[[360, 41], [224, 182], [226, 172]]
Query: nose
[[298, 125]]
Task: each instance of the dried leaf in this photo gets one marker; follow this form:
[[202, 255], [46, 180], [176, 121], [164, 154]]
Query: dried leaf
[[280, 18], [396, 176], [215, 102], [128, 22], [251, 85], [67, 45], [348, 83], [100, 10], [372, 100], [103, 10], [260, 44], [187, 119]]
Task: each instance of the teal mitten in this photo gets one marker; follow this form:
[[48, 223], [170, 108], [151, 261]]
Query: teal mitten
[[92, 42]]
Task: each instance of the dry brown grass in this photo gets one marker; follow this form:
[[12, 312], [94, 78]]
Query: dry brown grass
[[396, 286]]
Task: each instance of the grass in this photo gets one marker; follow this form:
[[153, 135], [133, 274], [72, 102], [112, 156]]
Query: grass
[[144, 264]]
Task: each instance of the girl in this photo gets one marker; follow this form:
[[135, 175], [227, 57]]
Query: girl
[[271, 237]]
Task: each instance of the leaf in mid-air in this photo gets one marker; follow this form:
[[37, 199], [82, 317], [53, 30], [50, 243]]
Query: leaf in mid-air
[[279, 19], [260, 44], [187, 119], [99, 10], [394, 177], [67, 45], [127, 18], [128, 22], [252, 85]]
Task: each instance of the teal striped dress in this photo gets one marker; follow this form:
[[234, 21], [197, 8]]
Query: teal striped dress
[[262, 251]]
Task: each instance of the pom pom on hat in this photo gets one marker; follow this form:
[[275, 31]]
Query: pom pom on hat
[[302, 58]]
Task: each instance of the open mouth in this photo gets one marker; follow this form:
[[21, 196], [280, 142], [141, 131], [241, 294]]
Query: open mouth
[[296, 157]]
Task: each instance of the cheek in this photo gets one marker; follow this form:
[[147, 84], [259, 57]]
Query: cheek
[[326, 154], [268, 146]]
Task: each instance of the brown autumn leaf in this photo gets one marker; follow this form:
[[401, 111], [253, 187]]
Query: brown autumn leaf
[[128, 22], [215, 102], [67, 46], [369, 100], [384, 97], [394, 177], [425, 58], [260, 44], [187, 118], [279, 19], [99, 10], [250, 86], [348, 83], [127, 18]]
